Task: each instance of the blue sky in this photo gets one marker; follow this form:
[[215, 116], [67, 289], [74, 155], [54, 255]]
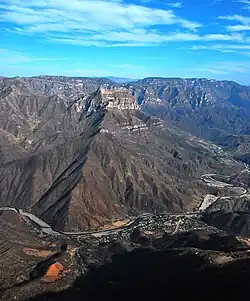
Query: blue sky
[[126, 38]]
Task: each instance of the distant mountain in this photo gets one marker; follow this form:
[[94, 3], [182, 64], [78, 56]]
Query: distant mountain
[[121, 80], [218, 111]]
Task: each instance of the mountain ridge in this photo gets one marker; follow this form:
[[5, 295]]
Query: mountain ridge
[[95, 154]]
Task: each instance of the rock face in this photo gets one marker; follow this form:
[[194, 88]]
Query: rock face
[[213, 110], [45, 143], [119, 98]]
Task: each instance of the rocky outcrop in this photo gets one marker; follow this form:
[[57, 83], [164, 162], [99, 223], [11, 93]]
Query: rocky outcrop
[[119, 98]]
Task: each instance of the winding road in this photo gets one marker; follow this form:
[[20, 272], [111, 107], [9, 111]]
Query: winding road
[[209, 199]]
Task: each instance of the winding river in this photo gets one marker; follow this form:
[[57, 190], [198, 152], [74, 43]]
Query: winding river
[[47, 229]]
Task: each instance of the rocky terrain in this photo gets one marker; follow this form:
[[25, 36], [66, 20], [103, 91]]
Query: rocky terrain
[[116, 190], [147, 257], [184, 273], [22, 251], [82, 160]]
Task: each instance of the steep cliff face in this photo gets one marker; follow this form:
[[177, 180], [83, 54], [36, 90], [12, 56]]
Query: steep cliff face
[[119, 98], [123, 113]]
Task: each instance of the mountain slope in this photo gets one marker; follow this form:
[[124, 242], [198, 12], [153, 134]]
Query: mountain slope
[[52, 139], [195, 261], [214, 110], [57, 164], [136, 164]]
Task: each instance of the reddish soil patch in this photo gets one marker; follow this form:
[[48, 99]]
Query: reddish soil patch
[[54, 273]]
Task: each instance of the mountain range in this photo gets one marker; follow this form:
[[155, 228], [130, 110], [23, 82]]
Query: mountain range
[[79, 153], [122, 172], [213, 110]]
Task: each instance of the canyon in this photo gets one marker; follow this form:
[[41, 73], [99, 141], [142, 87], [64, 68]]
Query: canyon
[[104, 184], [80, 160]]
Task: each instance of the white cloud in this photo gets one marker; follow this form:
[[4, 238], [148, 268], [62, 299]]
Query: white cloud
[[243, 49], [106, 23], [246, 4], [238, 27], [244, 22], [170, 4], [12, 57], [140, 38], [223, 37], [222, 47], [224, 68], [92, 22], [83, 14], [239, 18], [175, 4]]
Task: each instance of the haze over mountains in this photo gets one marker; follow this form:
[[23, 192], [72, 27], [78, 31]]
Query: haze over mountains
[[121, 80], [108, 167]]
